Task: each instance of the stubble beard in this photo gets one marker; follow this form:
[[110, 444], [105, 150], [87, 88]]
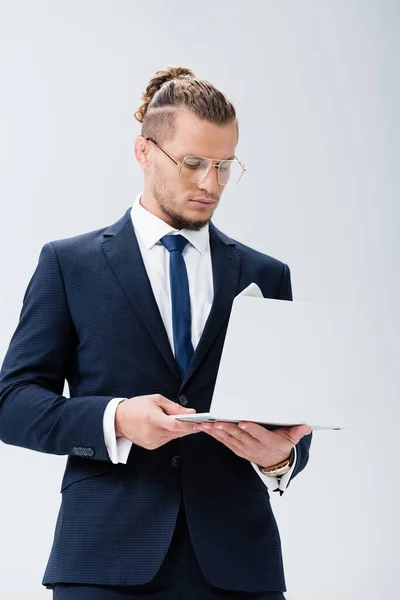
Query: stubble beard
[[164, 199]]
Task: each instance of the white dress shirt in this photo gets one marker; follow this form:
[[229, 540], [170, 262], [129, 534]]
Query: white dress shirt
[[149, 229]]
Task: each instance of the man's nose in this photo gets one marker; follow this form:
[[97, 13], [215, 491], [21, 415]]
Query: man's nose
[[210, 183]]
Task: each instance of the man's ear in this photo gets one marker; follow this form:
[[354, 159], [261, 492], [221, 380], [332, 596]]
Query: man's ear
[[142, 151]]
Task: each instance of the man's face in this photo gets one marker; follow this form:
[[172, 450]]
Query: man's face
[[165, 193]]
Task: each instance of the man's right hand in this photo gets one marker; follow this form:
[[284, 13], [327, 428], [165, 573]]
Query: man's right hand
[[145, 421]]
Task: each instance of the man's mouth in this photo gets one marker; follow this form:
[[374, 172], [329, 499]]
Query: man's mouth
[[202, 200]]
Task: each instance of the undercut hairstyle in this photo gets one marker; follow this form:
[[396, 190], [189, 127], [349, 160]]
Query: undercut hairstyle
[[176, 87]]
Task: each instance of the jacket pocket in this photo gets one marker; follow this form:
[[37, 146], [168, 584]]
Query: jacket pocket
[[78, 469]]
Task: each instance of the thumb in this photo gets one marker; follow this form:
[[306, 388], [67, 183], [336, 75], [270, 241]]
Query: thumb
[[302, 430], [295, 432], [172, 408]]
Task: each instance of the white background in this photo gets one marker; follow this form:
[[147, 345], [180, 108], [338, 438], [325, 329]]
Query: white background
[[316, 88]]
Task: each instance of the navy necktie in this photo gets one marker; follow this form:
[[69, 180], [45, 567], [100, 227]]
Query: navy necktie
[[180, 298]]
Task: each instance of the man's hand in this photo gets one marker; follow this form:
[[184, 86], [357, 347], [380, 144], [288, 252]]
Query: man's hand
[[144, 420], [255, 443]]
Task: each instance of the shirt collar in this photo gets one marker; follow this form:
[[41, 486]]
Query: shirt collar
[[151, 228]]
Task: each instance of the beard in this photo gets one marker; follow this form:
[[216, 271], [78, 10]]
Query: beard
[[164, 198]]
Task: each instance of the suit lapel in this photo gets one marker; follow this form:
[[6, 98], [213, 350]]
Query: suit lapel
[[122, 251]]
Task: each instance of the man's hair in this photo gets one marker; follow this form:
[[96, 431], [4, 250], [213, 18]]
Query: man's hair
[[176, 87]]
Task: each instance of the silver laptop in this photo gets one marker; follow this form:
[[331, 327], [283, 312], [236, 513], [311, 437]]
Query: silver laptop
[[284, 363]]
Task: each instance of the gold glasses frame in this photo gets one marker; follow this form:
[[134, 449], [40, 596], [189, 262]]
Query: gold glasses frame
[[211, 160]]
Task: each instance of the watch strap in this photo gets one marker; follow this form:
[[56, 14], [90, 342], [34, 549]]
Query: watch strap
[[280, 468]]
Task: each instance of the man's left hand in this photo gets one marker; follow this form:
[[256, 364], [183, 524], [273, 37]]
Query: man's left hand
[[255, 443]]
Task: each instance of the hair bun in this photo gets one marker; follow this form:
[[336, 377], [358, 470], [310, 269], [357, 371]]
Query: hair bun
[[155, 83], [178, 73], [169, 74]]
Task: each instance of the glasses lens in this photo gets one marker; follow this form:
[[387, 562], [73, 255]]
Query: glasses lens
[[229, 172], [194, 168]]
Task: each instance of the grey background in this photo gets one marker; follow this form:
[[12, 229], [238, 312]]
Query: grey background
[[316, 87]]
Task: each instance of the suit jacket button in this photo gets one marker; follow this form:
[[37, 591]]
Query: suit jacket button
[[183, 400], [89, 451], [75, 450], [176, 461]]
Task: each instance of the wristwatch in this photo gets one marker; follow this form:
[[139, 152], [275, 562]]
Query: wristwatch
[[279, 469]]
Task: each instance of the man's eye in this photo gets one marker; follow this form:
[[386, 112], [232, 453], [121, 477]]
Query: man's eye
[[192, 164]]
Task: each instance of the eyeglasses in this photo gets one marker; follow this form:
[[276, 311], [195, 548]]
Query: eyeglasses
[[195, 168]]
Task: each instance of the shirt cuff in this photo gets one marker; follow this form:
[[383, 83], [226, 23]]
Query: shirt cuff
[[118, 448], [274, 483]]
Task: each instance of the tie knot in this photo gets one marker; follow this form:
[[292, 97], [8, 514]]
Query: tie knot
[[174, 242]]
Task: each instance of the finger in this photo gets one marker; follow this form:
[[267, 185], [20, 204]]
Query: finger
[[233, 430], [257, 431], [228, 441], [304, 430], [184, 433], [295, 433], [266, 436], [172, 408], [174, 425], [225, 435]]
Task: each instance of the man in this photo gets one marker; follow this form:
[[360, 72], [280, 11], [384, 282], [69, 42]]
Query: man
[[134, 317]]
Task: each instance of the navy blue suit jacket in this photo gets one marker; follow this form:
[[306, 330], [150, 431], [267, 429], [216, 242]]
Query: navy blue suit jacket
[[89, 317]]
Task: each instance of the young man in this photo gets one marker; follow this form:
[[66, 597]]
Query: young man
[[134, 317]]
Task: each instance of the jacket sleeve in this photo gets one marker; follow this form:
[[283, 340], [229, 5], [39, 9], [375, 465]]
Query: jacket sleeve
[[303, 446], [33, 412]]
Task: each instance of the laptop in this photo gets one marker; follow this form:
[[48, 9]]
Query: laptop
[[284, 363]]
